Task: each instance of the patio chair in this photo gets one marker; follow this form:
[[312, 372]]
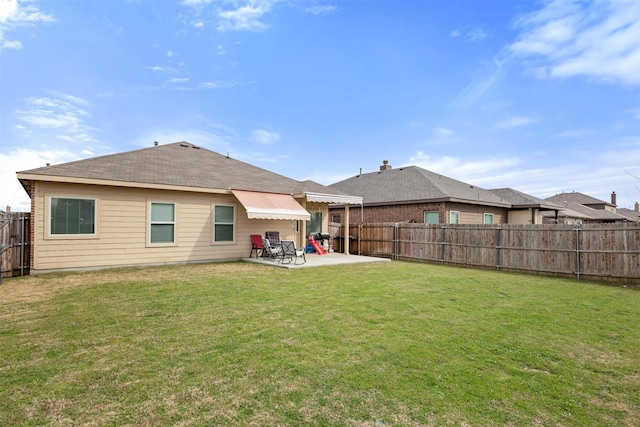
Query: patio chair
[[289, 252], [256, 245], [270, 251], [273, 237]]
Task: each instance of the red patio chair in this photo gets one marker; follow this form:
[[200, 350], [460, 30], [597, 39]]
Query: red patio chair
[[256, 245]]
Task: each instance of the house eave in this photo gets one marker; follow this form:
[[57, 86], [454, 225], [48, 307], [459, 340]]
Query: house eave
[[438, 200], [23, 177]]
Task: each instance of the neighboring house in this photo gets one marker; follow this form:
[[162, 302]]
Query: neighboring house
[[171, 203], [580, 208], [417, 195], [526, 209], [632, 215]]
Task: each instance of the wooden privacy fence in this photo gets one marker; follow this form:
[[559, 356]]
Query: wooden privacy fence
[[15, 250], [604, 252]]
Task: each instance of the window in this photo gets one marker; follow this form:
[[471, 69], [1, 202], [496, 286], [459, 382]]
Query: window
[[432, 217], [488, 218], [454, 217], [162, 224], [223, 223], [315, 224], [70, 216]]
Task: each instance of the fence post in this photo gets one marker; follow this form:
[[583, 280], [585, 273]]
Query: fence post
[[578, 251], [359, 237], [498, 229], [442, 246], [394, 250], [22, 246]]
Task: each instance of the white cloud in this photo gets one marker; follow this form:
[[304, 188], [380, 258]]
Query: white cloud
[[11, 44], [15, 14], [218, 84], [245, 18], [321, 10], [514, 122], [596, 174], [178, 80], [231, 15], [572, 133], [443, 131], [461, 169], [455, 33], [8, 8], [489, 75], [264, 137], [476, 34], [598, 40], [24, 159], [63, 113]]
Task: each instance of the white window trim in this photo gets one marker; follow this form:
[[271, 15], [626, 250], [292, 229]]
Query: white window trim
[[175, 224], [213, 224], [47, 224], [454, 212]]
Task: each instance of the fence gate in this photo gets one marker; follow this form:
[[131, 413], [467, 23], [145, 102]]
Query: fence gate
[[15, 249]]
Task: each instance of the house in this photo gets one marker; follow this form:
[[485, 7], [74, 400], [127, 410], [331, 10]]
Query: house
[[173, 203], [632, 215], [580, 208], [418, 195], [526, 209]]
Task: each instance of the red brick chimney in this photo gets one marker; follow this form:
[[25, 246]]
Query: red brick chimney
[[613, 199]]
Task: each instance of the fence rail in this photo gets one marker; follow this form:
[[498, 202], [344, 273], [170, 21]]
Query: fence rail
[[15, 248], [603, 252]]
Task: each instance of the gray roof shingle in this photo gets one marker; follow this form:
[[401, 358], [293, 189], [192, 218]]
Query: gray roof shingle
[[180, 164], [520, 200], [413, 184], [576, 197]]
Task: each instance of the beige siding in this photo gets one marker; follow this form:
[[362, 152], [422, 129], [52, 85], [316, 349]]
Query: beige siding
[[524, 217], [474, 214], [122, 229]]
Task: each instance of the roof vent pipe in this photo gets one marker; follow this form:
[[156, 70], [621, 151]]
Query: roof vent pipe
[[155, 143]]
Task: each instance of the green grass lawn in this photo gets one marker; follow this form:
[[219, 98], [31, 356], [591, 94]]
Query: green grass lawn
[[380, 344]]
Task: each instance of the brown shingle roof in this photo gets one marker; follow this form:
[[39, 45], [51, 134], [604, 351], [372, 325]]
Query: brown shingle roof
[[179, 164], [412, 184]]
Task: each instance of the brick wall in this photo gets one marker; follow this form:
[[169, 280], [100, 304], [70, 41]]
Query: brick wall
[[414, 212], [396, 213]]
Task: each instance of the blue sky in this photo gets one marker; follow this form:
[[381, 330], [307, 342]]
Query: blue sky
[[539, 96]]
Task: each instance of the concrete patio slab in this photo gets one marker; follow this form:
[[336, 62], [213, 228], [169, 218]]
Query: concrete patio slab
[[315, 260]]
